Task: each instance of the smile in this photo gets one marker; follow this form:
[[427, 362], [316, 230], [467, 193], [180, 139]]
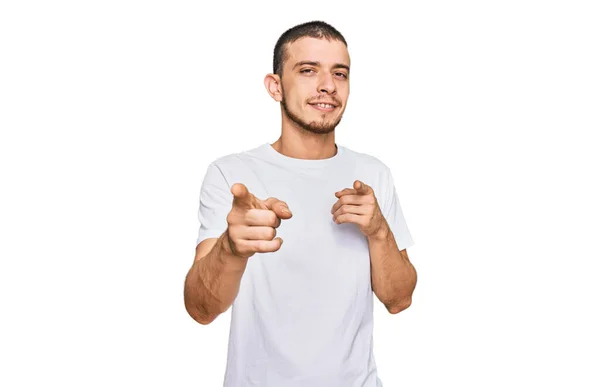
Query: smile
[[325, 107]]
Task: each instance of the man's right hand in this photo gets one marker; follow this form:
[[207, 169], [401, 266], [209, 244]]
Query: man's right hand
[[252, 223]]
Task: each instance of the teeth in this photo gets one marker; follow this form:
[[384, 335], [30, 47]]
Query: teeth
[[324, 105]]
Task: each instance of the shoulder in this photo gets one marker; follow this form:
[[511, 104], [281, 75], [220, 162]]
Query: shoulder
[[366, 160], [236, 158], [374, 171], [236, 166]]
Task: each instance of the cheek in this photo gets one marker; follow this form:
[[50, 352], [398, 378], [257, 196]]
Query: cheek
[[306, 88], [343, 91], [295, 96]]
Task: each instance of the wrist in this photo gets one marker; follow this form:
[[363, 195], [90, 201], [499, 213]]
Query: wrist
[[381, 234]]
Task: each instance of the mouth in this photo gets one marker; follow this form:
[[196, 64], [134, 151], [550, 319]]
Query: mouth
[[324, 107]]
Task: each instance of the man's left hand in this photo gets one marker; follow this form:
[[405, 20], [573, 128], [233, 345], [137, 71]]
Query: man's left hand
[[359, 205]]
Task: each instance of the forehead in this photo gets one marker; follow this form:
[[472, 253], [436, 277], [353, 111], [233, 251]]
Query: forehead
[[317, 50]]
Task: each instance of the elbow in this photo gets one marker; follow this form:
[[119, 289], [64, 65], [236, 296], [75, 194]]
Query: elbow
[[199, 317], [204, 321], [197, 313], [397, 307]]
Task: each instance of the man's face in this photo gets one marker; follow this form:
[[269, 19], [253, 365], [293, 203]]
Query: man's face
[[315, 83]]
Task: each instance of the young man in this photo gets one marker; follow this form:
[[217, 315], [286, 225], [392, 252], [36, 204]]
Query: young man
[[302, 311]]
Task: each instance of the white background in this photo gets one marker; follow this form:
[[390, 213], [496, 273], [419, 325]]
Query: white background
[[485, 112]]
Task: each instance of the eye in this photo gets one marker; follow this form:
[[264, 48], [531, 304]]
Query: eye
[[306, 71], [342, 75]]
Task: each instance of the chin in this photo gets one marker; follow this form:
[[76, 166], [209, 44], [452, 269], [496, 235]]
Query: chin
[[313, 120], [322, 127]]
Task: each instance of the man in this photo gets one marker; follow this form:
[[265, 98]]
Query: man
[[302, 311]]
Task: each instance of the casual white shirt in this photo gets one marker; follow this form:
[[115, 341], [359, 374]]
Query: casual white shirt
[[303, 316]]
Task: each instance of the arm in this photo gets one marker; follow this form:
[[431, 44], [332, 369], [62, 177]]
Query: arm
[[213, 281], [393, 277]]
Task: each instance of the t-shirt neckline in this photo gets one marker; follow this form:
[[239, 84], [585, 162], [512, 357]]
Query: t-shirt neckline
[[303, 163]]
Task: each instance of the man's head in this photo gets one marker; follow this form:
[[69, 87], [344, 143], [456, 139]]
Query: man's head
[[311, 67]]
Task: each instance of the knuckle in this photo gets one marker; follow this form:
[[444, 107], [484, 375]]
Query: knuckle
[[272, 218], [230, 217], [233, 233], [240, 246]]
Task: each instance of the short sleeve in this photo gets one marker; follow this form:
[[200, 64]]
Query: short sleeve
[[392, 211], [215, 203]]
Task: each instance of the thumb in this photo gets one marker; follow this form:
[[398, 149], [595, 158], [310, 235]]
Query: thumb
[[280, 208]]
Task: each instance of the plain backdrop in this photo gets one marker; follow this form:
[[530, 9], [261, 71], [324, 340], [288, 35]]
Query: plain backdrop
[[486, 112]]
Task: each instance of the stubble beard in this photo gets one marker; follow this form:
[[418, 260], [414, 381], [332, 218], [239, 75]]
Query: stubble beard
[[323, 127]]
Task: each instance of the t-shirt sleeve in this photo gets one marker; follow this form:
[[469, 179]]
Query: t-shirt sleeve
[[392, 211], [215, 203]]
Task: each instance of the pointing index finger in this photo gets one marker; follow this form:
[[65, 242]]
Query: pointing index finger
[[361, 188], [241, 196]]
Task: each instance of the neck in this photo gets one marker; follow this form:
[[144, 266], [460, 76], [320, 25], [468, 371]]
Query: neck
[[301, 144]]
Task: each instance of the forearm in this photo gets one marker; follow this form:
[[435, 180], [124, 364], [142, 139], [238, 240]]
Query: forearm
[[393, 277], [213, 282]]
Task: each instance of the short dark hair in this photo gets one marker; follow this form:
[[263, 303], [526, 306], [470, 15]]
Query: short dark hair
[[314, 29]]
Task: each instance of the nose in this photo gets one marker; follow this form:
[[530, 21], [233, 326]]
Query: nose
[[326, 84]]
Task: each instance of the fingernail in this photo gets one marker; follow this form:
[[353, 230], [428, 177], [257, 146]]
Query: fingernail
[[286, 210]]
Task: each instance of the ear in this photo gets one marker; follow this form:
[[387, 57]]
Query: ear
[[273, 86]]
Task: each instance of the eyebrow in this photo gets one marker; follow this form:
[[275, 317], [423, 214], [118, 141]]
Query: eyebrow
[[308, 62]]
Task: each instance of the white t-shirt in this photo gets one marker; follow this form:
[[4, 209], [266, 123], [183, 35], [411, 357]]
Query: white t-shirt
[[304, 314]]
